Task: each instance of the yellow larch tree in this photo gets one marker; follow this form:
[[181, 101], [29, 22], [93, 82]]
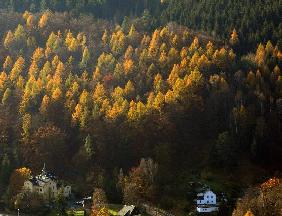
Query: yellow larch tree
[[85, 57], [117, 93], [163, 59], [97, 74], [128, 66], [159, 83], [7, 65], [118, 109], [194, 60], [57, 94], [234, 39], [33, 69], [45, 104], [26, 14], [77, 113], [195, 81], [105, 38], [84, 98], [184, 52], [17, 68], [82, 39], [174, 74], [260, 55], [159, 101], [9, 39], [99, 93], [170, 97], [37, 55], [194, 45], [30, 21], [3, 80], [44, 19], [210, 49], [129, 89], [129, 52], [154, 43], [150, 101], [131, 115]]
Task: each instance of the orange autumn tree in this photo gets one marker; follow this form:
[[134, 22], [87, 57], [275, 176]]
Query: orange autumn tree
[[99, 203], [270, 184], [17, 179], [7, 65], [44, 19], [8, 40], [234, 38], [139, 185], [249, 213]]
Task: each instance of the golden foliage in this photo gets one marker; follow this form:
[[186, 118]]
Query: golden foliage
[[234, 38], [43, 20], [57, 94], [30, 21], [37, 54], [128, 66], [174, 74], [8, 40], [154, 44], [44, 104], [249, 213], [8, 63], [270, 183], [17, 68]]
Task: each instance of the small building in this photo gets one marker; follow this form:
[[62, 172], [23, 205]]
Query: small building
[[47, 185], [85, 202], [206, 201], [207, 209], [129, 211], [206, 198]]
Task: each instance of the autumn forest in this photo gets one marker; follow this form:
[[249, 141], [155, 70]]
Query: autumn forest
[[139, 103]]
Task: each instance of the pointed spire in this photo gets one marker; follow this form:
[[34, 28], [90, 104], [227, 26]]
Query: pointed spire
[[44, 169]]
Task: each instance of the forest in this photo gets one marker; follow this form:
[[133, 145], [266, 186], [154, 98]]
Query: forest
[[255, 21], [135, 99]]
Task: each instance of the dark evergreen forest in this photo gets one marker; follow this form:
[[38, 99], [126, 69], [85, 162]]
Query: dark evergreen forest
[[255, 21], [140, 98]]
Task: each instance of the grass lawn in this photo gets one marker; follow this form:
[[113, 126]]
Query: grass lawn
[[114, 209], [75, 213], [112, 212]]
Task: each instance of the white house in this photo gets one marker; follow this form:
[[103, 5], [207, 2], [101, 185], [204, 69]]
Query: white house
[[47, 185], [207, 209], [206, 198], [206, 201]]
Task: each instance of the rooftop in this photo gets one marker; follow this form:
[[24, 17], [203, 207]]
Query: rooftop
[[43, 177]]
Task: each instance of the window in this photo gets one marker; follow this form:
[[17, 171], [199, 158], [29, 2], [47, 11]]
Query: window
[[211, 196], [207, 196]]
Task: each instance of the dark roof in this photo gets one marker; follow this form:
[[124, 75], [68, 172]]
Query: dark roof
[[34, 181], [43, 177], [51, 176]]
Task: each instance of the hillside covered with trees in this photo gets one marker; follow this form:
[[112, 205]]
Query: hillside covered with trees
[[255, 21], [135, 108]]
